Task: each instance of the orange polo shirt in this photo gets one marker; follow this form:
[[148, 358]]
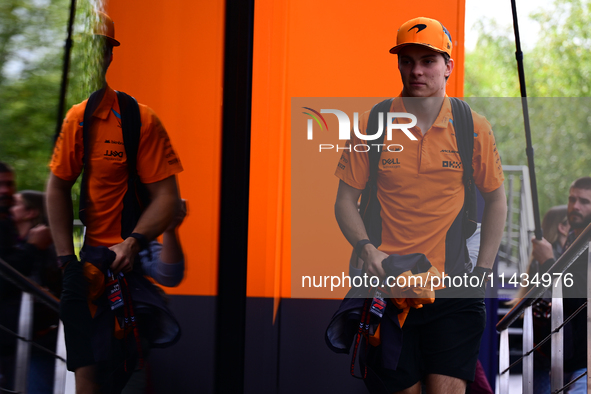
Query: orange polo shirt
[[420, 187], [107, 167]]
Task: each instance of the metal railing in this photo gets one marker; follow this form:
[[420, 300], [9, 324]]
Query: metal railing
[[524, 307], [31, 291], [516, 246]]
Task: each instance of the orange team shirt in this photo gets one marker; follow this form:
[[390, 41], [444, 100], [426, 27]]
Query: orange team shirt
[[107, 170], [420, 188]]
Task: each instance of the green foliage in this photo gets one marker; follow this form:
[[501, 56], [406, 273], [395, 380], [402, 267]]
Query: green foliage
[[563, 57], [490, 68], [87, 55], [31, 34], [32, 39], [557, 72]]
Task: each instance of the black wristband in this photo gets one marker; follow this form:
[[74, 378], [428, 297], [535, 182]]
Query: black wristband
[[141, 239], [63, 261], [359, 246], [481, 271]]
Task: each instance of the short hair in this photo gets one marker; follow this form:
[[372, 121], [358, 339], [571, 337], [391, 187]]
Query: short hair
[[582, 183], [4, 167]]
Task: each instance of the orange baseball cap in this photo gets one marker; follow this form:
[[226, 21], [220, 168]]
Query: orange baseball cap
[[423, 31], [106, 27]]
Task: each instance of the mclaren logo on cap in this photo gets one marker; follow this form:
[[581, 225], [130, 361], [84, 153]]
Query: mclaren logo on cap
[[419, 27]]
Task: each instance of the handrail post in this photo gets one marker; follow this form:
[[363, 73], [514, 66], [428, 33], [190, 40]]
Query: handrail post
[[576, 250], [509, 235], [504, 360], [528, 344], [60, 371], [557, 356], [23, 348]]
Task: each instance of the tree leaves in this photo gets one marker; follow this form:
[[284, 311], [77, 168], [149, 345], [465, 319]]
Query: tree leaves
[[32, 39], [557, 72]]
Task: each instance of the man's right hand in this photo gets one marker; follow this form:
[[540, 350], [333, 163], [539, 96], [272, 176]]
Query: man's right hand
[[373, 261]]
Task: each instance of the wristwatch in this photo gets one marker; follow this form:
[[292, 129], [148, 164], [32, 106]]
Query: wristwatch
[[141, 239], [482, 272], [63, 261], [359, 246]]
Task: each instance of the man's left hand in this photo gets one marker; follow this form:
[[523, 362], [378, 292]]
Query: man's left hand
[[542, 250], [126, 252]]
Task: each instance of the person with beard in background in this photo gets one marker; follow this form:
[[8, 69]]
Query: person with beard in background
[[575, 332]]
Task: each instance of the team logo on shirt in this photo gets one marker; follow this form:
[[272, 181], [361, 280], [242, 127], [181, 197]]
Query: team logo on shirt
[[391, 163], [113, 142], [451, 164], [113, 155]]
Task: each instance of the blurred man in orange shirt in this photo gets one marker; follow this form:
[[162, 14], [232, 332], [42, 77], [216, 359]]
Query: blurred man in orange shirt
[[106, 171]]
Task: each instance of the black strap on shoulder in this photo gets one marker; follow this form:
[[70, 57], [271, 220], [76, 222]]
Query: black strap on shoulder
[[373, 126], [463, 124], [91, 105], [136, 197], [464, 127], [371, 212]]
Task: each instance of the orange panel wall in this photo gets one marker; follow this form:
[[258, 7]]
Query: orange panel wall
[[323, 48], [171, 59]]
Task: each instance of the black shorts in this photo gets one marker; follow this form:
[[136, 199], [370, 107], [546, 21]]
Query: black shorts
[[90, 341], [441, 338]]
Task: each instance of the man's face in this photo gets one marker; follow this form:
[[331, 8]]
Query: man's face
[[423, 71], [7, 189], [579, 208], [103, 53]]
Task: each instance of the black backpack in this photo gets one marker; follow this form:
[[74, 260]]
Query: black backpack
[[137, 196], [370, 208]]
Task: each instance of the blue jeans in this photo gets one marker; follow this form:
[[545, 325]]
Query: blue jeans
[[580, 386]]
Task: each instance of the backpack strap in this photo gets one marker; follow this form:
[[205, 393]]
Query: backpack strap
[[381, 108], [91, 105], [371, 212], [136, 197], [464, 127]]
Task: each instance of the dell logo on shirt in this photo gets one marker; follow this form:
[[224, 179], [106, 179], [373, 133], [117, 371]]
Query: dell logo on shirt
[[113, 153]]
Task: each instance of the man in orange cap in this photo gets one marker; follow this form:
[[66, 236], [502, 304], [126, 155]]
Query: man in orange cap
[[93, 137], [420, 190]]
